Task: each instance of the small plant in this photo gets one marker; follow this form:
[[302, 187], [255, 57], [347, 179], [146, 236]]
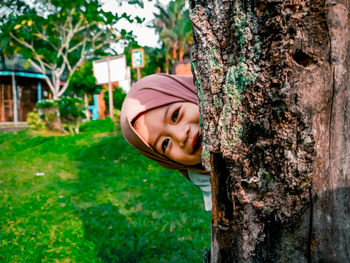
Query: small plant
[[71, 112], [34, 121], [49, 114]]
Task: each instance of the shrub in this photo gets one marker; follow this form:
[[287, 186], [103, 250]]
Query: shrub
[[71, 112], [118, 98], [34, 121], [49, 114], [44, 104]]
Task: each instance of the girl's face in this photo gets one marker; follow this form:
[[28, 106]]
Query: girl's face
[[173, 130]]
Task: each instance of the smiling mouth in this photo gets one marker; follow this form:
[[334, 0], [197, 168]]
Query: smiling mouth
[[197, 142]]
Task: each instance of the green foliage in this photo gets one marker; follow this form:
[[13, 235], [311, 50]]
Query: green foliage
[[71, 112], [118, 98], [138, 2], [34, 121], [116, 117], [67, 110], [49, 114], [91, 198], [83, 80], [60, 35], [44, 104], [70, 109], [50, 118], [174, 27], [104, 125]]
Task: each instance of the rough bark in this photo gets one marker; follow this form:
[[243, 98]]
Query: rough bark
[[273, 84]]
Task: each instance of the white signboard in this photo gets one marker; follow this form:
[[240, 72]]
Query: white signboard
[[117, 67], [125, 84]]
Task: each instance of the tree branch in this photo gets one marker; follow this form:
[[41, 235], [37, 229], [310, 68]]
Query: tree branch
[[76, 46], [48, 81], [36, 56], [81, 60]]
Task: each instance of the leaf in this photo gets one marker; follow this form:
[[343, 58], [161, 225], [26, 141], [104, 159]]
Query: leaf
[[17, 49], [136, 2], [39, 35], [26, 64], [140, 20]]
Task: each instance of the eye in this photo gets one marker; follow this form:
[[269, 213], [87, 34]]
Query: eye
[[175, 115], [165, 144]]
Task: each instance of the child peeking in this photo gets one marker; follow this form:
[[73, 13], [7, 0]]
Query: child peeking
[[160, 118]]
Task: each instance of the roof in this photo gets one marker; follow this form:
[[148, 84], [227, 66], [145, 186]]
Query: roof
[[17, 63]]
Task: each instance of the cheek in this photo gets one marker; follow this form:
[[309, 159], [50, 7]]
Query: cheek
[[196, 115], [195, 159]]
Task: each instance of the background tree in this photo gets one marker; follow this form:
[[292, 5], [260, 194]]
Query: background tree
[[273, 84], [71, 112], [174, 28], [184, 33], [83, 83], [57, 36], [118, 97], [7, 10]]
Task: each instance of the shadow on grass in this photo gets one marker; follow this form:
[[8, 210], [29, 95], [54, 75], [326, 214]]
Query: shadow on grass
[[103, 170], [109, 230], [135, 212], [106, 164]]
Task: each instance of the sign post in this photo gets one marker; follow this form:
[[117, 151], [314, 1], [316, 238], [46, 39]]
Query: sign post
[[110, 92], [138, 60], [108, 70]]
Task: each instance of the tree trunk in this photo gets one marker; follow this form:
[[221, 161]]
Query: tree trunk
[[181, 55], [166, 64], [273, 84], [174, 53]]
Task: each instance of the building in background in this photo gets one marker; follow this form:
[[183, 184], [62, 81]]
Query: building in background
[[182, 68], [21, 87]]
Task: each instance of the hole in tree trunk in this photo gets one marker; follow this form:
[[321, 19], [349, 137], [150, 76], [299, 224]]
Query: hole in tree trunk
[[303, 59]]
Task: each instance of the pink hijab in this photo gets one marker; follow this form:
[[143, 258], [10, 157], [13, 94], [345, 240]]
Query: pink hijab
[[149, 93]]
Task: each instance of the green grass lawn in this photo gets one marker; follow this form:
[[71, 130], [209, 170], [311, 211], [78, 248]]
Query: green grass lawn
[[92, 198]]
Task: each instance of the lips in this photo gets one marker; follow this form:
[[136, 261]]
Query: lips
[[197, 142]]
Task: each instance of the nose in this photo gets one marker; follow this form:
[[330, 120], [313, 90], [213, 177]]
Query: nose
[[180, 134]]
